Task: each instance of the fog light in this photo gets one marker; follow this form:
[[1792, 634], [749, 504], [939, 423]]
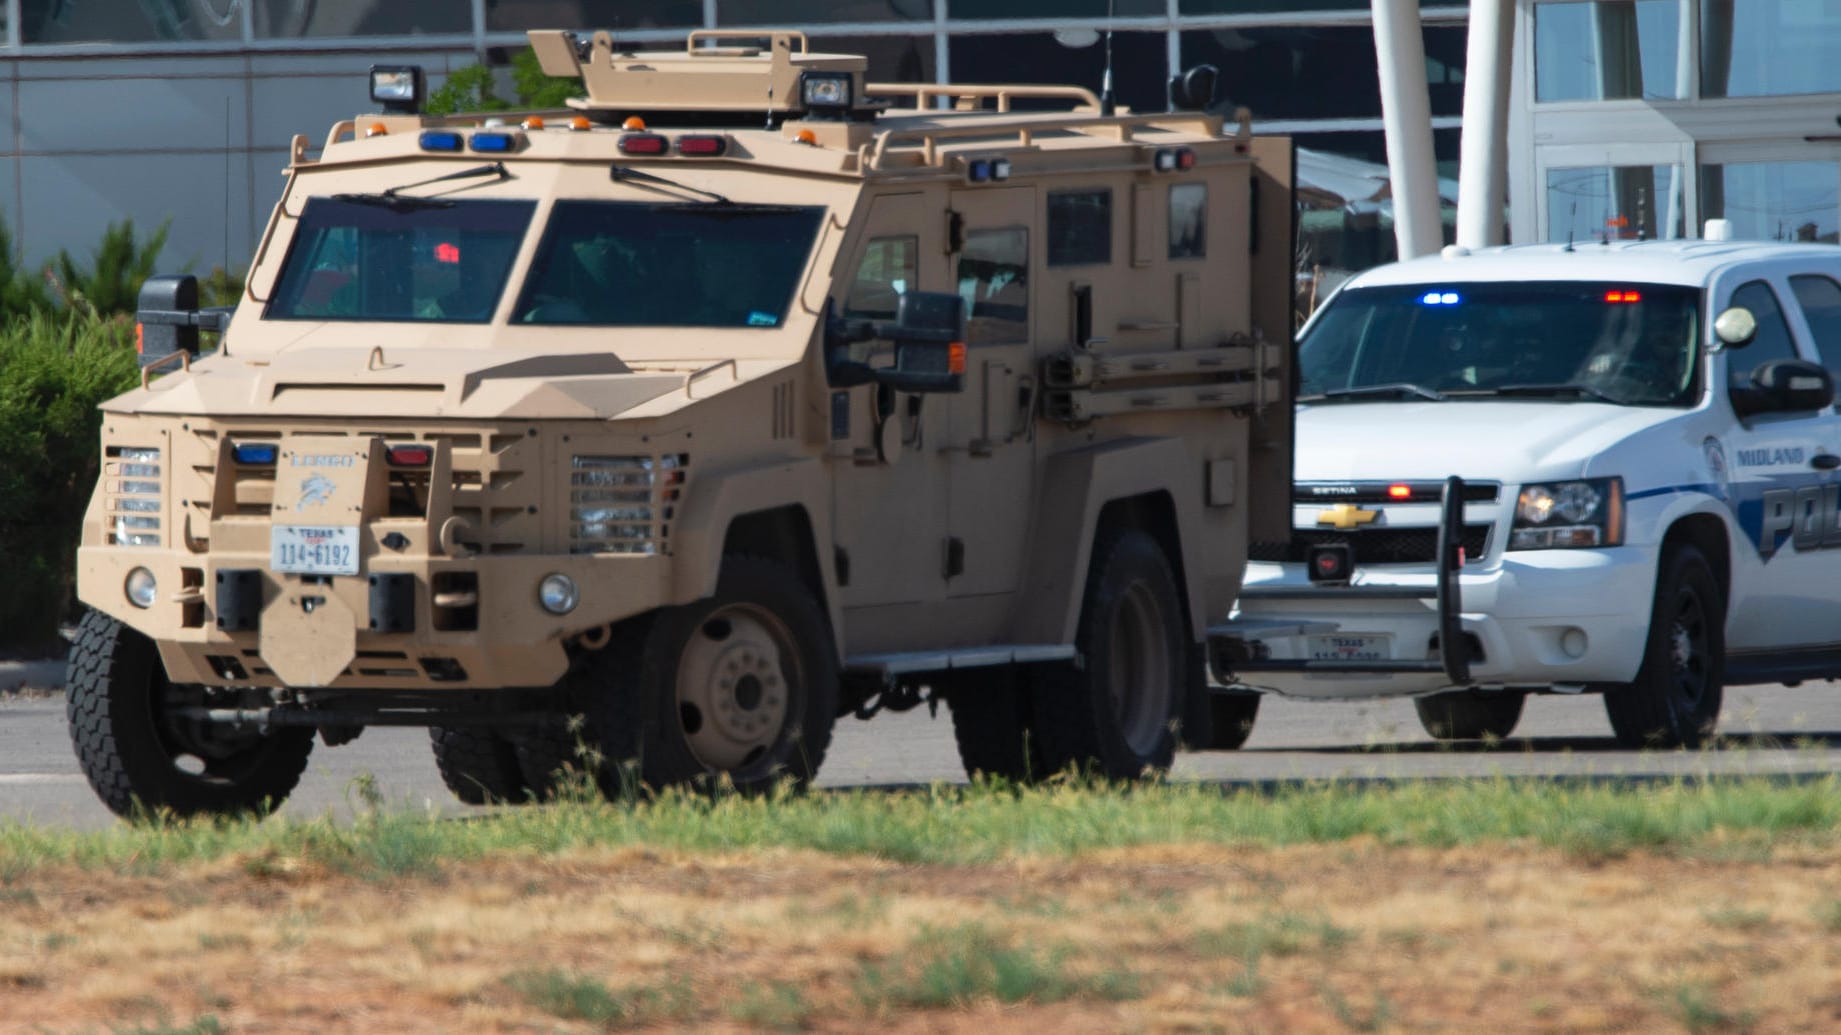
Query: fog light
[[142, 588], [557, 594], [1573, 642]]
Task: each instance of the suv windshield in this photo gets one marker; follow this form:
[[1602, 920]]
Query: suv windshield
[[633, 264], [1631, 344], [371, 257]]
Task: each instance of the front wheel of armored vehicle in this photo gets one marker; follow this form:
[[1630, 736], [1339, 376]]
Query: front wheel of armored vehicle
[[1115, 711], [142, 759], [742, 685], [1675, 699], [1470, 714]]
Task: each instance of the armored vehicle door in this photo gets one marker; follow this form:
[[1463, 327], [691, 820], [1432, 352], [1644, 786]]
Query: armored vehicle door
[[889, 488], [992, 448]]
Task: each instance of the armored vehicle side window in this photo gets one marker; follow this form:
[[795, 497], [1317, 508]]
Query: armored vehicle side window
[[633, 264], [1773, 340], [994, 281], [371, 257], [1820, 298], [1188, 220], [1079, 227], [885, 274]]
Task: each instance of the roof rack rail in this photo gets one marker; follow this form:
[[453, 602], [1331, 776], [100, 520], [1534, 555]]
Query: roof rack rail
[[965, 96], [1026, 127]]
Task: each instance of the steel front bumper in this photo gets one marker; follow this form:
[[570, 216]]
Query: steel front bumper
[[1538, 618]]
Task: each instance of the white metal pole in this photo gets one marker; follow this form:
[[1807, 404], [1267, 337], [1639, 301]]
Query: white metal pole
[[1483, 145], [1406, 112]]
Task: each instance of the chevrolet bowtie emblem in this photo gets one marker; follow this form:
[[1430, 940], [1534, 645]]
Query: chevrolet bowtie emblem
[[1346, 516]]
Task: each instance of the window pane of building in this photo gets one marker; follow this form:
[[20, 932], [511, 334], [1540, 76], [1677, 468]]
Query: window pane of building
[[128, 21], [1622, 202], [285, 19], [612, 15], [1774, 201], [1140, 71], [1270, 6], [1609, 51], [1065, 9], [1311, 72], [1761, 48], [808, 12], [892, 59], [1345, 208]]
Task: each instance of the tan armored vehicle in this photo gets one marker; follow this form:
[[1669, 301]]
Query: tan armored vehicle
[[742, 396]]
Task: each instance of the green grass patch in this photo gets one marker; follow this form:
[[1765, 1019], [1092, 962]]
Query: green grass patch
[[1285, 934], [956, 966], [579, 997], [956, 825], [775, 1005]]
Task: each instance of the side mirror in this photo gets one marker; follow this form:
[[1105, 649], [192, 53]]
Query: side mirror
[[1736, 327], [929, 339], [167, 318], [1785, 386]]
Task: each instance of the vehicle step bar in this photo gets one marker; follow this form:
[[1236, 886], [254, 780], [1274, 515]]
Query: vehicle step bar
[[905, 662], [1447, 596]]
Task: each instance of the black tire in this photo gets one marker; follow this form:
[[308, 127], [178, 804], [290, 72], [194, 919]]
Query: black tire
[[1115, 713], [1470, 714], [1230, 717], [1675, 699], [994, 724], [132, 753], [478, 765], [742, 685], [548, 754]]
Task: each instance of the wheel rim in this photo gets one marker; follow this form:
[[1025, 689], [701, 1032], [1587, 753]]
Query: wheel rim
[[1139, 671], [1688, 650], [737, 684]]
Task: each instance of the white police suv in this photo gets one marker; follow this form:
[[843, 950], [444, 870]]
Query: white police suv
[[1648, 459]]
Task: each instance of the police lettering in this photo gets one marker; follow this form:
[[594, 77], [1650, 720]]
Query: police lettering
[[1811, 514]]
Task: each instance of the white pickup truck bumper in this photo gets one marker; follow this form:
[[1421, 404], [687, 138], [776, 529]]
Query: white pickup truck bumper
[[1539, 617]]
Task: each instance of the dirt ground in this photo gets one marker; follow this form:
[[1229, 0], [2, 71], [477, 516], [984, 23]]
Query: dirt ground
[[1352, 937]]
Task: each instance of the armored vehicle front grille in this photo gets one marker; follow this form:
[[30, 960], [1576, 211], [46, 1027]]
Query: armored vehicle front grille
[[1374, 545], [487, 484], [624, 504]]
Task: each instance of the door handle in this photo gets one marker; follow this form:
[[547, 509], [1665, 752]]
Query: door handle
[[1825, 461]]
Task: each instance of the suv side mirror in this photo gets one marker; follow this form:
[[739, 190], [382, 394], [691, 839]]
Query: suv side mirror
[[1736, 327], [929, 338], [1785, 386]]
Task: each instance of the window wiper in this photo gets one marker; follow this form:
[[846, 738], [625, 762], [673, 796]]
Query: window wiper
[[396, 201], [1398, 389], [1562, 388], [624, 174]]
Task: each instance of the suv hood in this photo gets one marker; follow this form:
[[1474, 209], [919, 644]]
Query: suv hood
[[1502, 440]]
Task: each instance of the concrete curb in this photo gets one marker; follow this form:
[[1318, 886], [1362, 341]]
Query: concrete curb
[[38, 675]]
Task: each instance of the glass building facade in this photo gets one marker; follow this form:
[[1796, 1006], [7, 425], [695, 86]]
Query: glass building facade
[[1628, 116]]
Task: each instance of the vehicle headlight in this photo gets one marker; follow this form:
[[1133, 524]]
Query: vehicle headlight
[[557, 594], [1556, 515], [142, 588]]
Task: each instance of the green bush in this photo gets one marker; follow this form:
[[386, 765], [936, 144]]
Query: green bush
[[54, 370], [474, 88]]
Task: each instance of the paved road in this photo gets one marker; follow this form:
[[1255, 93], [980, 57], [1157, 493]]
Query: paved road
[[1770, 730]]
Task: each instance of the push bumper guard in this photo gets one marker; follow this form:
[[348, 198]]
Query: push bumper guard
[[1237, 646]]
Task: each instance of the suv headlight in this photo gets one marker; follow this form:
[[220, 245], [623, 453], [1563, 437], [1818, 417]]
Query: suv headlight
[[1556, 515]]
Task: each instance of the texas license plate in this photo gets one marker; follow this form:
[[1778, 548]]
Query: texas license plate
[[314, 549], [1352, 647]]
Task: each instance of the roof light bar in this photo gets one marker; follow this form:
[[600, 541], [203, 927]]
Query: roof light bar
[[441, 140], [703, 146], [496, 143], [644, 144], [1173, 159]]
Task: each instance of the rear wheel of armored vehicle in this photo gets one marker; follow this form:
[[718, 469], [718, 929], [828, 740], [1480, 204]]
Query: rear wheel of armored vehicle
[[1470, 714], [994, 724], [1116, 711], [143, 760], [479, 766], [1675, 699], [1231, 715], [742, 685]]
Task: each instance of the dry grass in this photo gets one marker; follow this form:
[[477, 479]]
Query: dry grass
[[1350, 936]]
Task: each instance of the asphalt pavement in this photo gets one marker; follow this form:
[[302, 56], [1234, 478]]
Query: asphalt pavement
[[1765, 730]]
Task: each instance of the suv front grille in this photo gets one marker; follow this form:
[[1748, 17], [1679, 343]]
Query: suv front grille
[[1374, 545]]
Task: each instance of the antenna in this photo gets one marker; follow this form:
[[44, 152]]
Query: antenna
[[1106, 103]]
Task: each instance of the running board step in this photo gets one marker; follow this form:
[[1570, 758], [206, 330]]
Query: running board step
[[904, 662]]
